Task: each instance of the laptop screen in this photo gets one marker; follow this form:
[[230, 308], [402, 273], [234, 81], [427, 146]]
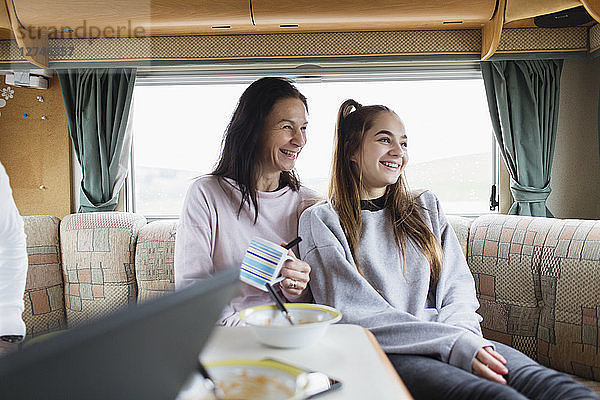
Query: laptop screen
[[143, 352]]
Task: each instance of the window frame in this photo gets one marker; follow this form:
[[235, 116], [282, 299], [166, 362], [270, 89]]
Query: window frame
[[306, 73]]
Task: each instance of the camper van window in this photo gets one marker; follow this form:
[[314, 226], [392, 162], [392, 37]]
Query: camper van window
[[178, 123]]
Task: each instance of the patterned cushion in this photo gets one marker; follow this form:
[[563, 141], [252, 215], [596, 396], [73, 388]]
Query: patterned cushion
[[503, 254], [461, 227], [44, 302], [538, 282], [569, 277], [98, 251], [154, 259]]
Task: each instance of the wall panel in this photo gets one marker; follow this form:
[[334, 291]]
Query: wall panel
[[575, 178], [36, 151]]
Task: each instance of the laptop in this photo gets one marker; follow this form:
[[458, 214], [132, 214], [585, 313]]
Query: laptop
[[143, 352]]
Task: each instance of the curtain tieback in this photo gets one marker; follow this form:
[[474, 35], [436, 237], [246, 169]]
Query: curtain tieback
[[528, 194]]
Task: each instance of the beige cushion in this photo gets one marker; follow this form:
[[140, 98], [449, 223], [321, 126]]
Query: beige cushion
[[154, 259], [538, 282], [569, 275], [44, 302], [461, 227], [98, 251], [502, 256]]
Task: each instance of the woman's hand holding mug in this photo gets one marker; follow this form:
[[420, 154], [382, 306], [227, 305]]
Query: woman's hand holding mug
[[296, 273]]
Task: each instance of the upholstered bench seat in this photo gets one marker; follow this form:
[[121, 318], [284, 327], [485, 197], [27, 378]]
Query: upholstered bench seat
[[537, 279]]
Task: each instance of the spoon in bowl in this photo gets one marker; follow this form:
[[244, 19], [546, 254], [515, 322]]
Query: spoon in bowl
[[274, 294], [279, 303]]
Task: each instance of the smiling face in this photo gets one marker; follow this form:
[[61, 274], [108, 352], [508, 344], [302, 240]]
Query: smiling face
[[283, 136], [383, 155]]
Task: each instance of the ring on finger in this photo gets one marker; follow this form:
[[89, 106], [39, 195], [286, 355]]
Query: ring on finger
[[293, 285]]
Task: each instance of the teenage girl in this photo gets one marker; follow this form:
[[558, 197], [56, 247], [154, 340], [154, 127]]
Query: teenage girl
[[389, 261]]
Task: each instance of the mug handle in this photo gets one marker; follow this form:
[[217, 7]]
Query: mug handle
[[281, 277]]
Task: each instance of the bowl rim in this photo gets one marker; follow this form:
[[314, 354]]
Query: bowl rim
[[266, 363], [335, 314]]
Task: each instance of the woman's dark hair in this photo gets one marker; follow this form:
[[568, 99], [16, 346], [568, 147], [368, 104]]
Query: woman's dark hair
[[240, 148]]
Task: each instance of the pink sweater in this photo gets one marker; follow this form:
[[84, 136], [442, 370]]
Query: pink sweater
[[211, 237]]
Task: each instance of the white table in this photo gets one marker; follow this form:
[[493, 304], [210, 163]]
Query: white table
[[348, 353]]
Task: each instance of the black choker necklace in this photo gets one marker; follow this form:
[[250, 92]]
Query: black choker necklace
[[373, 204]]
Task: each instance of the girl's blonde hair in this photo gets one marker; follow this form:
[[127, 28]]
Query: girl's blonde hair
[[345, 186]]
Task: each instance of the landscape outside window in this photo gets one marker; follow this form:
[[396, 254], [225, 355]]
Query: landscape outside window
[[177, 131]]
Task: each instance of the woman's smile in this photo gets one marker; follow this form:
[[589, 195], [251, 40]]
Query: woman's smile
[[291, 154]]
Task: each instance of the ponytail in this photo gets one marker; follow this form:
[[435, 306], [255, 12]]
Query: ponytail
[[344, 192]]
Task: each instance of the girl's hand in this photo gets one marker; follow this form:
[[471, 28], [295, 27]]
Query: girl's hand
[[489, 364], [296, 273]]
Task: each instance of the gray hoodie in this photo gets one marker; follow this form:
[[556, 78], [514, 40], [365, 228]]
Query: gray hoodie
[[397, 306]]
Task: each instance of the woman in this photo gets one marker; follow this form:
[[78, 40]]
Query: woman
[[389, 261], [252, 192]]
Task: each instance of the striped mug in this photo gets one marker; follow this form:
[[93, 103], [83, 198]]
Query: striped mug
[[262, 263]]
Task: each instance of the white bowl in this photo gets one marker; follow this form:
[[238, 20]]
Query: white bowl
[[271, 328], [249, 379]]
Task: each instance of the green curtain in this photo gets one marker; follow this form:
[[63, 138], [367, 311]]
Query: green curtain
[[523, 101], [98, 102]]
